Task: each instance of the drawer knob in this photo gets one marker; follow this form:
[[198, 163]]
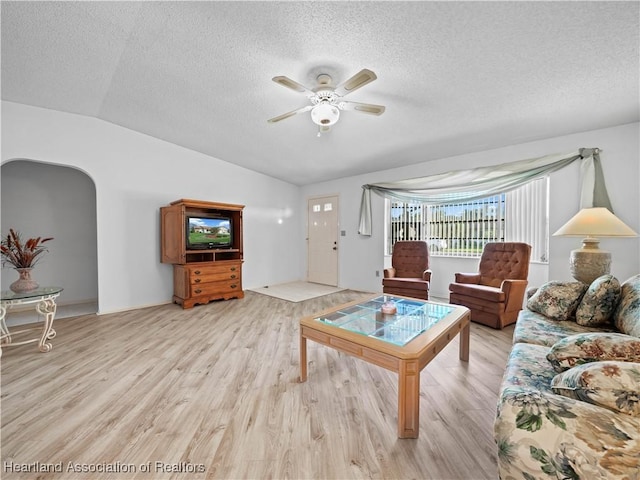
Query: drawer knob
[[197, 272], [198, 291], [233, 286], [233, 276], [197, 280], [233, 269]]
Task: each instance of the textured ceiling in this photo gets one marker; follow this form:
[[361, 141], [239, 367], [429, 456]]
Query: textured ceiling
[[455, 77]]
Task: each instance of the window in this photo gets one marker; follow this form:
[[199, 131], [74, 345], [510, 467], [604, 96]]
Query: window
[[462, 229]]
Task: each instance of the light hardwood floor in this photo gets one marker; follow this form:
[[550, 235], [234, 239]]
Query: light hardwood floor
[[215, 388]]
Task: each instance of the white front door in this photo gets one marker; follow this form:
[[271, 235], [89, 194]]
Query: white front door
[[322, 235]]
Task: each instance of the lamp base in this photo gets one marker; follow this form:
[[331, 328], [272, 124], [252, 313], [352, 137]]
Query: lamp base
[[589, 262]]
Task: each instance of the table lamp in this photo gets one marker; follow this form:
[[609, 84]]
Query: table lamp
[[589, 262]]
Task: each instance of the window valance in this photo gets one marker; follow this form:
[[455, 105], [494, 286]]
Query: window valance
[[477, 183]]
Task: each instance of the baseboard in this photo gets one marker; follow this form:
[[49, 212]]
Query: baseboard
[[81, 305], [26, 314], [137, 307]]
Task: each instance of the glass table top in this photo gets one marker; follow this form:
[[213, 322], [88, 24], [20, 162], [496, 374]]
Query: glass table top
[[39, 292], [412, 318]]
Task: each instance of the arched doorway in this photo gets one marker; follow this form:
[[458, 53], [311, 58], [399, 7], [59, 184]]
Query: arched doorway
[[42, 199]]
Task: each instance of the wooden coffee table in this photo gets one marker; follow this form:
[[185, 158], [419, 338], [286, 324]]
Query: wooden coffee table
[[404, 342]]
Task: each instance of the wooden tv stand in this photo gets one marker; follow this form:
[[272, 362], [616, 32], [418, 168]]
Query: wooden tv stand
[[200, 276]]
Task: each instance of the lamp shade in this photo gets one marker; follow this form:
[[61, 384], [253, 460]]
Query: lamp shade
[[595, 222]]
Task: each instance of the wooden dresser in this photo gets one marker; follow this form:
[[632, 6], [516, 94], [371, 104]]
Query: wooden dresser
[[196, 283]]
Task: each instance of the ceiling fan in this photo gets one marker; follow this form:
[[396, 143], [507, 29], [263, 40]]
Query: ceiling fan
[[327, 100]]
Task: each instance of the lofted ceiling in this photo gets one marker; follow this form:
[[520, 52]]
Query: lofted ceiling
[[455, 77]]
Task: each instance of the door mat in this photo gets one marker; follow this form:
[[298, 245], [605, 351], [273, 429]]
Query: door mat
[[296, 291]]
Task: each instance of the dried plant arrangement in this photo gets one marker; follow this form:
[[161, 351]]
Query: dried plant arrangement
[[22, 254]]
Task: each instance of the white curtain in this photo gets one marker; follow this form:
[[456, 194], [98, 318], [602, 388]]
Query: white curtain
[[526, 216], [477, 183], [365, 213]]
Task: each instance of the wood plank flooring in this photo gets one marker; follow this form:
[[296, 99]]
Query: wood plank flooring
[[213, 392]]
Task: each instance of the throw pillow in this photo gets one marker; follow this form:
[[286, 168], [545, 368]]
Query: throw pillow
[[593, 347], [557, 300], [599, 302], [613, 385], [627, 315]]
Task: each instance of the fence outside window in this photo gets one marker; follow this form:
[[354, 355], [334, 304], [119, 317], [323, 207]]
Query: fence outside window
[[463, 229]]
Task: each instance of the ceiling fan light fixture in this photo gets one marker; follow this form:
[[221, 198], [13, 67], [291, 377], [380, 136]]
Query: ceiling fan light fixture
[[325, 114], [326, 100]]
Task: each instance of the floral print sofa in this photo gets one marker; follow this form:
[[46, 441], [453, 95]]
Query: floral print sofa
[[569, 403]]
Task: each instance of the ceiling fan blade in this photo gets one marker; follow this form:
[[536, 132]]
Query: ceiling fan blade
[[360, 79], [363, 107], [292, 84], [290, 114]]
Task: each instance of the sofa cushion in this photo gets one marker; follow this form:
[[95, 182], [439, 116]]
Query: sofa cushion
[[542, 435], [484, 292], [627, 314], [557, 300], [528, 367], [599, 302], [537, 329], [613, 385], [412, 283], [593, 347]]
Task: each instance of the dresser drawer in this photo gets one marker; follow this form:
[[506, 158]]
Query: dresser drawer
[[214, 273], [215, 288], [206, 276]]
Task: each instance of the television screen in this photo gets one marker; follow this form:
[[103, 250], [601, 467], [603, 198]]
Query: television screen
[[204, 232]]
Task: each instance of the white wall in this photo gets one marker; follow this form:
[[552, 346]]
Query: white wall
[[135, 175], [361, 257]]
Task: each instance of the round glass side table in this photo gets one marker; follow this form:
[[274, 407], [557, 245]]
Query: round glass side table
[[44, 300]]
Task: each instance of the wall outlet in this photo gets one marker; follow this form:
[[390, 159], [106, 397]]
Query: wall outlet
[[377, 273]]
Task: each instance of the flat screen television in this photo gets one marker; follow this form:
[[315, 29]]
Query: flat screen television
[[209, 232]]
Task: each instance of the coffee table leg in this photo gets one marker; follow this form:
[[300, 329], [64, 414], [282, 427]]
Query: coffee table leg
[[464, 342], [408, 399], [303, 358]]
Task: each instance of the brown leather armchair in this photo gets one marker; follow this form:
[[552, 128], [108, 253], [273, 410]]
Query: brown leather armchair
[[494, 294], [409, 274]]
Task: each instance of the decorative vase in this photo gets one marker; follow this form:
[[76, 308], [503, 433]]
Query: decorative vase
[[25, 283]]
